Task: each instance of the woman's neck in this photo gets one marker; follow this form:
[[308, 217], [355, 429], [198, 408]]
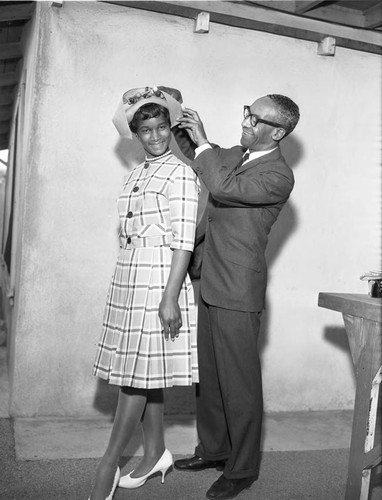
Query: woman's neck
[[152, 158]]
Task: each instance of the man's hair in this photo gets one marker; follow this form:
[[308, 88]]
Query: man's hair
[[288, 113], [147, 111]]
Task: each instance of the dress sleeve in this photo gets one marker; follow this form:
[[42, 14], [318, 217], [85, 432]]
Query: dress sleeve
[[183, 202]]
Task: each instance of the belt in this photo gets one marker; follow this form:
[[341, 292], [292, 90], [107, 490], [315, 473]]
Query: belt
[[148, 241]]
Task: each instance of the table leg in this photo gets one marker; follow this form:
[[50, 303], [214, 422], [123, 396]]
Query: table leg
[[367, 355]]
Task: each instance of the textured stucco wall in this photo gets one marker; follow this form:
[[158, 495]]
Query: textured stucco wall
[[89, 53]]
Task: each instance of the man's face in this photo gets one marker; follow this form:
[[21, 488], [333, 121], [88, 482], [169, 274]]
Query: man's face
[[262, 136]]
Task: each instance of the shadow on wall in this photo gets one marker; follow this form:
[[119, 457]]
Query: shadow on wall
[[286, 223], [336, 335], [129, 152], [178, 400], [282, 230], [293, 151]]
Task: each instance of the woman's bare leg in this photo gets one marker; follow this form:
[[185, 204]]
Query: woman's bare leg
[[153, 432], [131, 405]]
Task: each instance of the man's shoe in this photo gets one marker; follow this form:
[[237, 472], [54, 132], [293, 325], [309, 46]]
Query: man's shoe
[[225, 488], [196, 463]]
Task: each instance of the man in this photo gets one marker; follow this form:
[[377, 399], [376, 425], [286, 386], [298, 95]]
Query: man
[[246, 196]]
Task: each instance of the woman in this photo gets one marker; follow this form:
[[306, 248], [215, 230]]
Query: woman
[[149, 335]]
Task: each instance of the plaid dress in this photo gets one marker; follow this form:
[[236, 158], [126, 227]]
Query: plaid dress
[[157, 210]]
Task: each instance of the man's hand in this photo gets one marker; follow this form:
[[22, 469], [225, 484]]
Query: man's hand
[[194, 126]]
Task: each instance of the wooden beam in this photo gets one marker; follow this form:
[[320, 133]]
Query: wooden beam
[[5, 127], [288, 6], [5, 113], [4, 140], [6, 98], [302, 6], [10, 51], [9, 13], [340, 15], [373, 16], [322, 12], [239, 15], [7, 79]]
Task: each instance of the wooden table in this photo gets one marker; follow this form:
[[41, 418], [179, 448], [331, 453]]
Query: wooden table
[[363, 322]]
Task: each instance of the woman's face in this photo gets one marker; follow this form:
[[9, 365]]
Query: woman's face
[[154, 135]]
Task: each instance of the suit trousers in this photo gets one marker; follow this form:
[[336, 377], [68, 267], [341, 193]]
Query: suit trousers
[[230, 400]]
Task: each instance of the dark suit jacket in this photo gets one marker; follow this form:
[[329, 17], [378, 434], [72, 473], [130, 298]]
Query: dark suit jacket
[[241, 209]]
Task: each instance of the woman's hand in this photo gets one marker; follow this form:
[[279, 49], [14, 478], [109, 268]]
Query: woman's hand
[[169, 310], [170, 317]]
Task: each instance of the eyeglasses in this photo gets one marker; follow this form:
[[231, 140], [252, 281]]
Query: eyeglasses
[[255, 119]]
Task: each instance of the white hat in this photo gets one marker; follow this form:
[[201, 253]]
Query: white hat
[[134, 99]]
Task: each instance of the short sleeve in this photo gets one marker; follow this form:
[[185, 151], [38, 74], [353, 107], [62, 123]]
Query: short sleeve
[[183, 202]]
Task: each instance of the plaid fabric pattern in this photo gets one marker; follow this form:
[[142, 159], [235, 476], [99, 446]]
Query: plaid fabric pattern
[[157, 210]]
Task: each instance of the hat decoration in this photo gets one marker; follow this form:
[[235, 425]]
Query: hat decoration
[[148, 92]]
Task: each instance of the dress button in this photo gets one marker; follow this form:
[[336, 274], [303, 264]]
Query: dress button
[[135, 189], [129, 215], [209, 219], [128, 239]]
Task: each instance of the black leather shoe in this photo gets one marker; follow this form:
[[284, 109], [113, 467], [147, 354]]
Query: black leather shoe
[[196, 463], [224, 488]]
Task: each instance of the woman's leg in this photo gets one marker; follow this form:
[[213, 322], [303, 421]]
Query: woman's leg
[[153, 433], [131, 405]]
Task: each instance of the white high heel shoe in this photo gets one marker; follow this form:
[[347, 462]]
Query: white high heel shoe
[[163, 464], [115, 484]]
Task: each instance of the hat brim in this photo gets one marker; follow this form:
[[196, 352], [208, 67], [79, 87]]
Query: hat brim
[[125, 112]]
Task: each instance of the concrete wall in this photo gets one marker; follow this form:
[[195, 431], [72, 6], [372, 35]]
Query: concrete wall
[[328, 234]]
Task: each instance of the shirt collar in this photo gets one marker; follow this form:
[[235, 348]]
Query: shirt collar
[[257, 154]]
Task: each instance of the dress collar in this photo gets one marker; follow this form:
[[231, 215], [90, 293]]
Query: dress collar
[[154, 158]]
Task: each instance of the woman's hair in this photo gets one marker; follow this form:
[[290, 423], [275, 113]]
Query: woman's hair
[[147, 111]]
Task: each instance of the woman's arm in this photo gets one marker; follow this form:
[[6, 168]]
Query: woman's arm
[[169, 310]]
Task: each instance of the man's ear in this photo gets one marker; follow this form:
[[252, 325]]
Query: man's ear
[[279, 134]]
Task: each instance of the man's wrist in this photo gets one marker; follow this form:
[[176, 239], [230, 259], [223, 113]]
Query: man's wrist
[[202, 148]]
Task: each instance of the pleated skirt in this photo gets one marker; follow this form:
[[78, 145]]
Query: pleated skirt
[[132, 350]]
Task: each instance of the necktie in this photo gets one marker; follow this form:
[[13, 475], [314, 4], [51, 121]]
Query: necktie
[[243, 159]]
